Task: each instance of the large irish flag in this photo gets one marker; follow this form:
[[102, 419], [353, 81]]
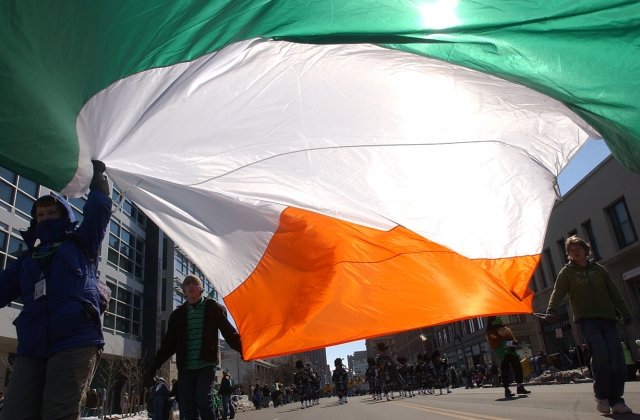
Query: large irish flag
[[339, 169]]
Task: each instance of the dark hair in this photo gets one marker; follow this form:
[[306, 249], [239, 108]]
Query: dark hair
[[48, 201], [299, 364]]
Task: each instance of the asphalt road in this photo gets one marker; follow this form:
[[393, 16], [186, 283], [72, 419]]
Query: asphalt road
[[571, 401]]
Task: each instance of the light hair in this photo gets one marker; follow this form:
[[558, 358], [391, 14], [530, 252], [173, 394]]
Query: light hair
[[576, 240], [192, 278]]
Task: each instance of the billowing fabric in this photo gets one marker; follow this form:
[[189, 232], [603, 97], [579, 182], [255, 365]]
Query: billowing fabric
[[68, 316], [328, 160]]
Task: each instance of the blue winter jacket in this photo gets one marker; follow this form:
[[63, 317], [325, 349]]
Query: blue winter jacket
[[68, 315]]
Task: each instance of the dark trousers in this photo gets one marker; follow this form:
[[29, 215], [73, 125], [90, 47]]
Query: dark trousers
[[195, 393], [50, 388], [607, 360], [511, 361]]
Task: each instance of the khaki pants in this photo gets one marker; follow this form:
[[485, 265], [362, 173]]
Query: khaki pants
[[50, 389]]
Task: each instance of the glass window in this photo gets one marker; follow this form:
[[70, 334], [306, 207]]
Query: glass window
[[6, 193], [109, 321], [127, 206], [78, 203], [480, 323], [114, 242], [24, 203], [3, 241], [114, 228], [137, 301], [562, 250], [549, 260], [595, 250], [8, 175], [622, 224], [126, 264], [28, 186], [16, 246], [126, 236], [124, 295], [123, 325], [113, 256]]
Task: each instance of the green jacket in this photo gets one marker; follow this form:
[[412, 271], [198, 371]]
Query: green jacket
[[592, 292]]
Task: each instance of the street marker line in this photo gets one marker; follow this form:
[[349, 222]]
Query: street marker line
[[450, 413]]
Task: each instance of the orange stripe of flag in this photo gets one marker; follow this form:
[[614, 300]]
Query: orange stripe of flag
[[323, 281]]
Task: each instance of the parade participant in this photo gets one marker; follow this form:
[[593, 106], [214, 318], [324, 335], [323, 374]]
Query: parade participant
[[225, 392], [372, 376], [192, 335], [440, 367], [314, 383], [59, 328], [593, 296], [340, 377], [301, 379], [503, 342], [405, 377], [386, 369], [420, 372], [160, 396]]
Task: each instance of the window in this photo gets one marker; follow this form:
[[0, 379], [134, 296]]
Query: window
[[542, 275], [463, 324], [439, 335], [472, 325], [622, 224], [549, 260], [125, 310], [450, 328], [163, 294], [573, 232], [562, 250], [588, 228], [480, 323], [126, 250], [445, 336]]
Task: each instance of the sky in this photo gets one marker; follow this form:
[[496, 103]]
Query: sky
[[587, 158]]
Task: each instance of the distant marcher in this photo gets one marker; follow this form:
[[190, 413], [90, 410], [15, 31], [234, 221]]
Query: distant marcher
[[124, 404], [225, 392], [503, 342], [92, 403], [593, 296]]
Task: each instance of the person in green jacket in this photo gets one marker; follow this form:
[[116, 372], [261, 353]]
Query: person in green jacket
[[593, 296]]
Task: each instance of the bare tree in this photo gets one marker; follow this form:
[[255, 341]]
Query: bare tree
[[133, 371], [109, 373]]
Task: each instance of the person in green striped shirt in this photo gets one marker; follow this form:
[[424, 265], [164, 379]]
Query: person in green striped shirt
[[192, 335]]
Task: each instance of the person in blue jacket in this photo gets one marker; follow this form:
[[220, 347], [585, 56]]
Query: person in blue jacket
[[59, 329]]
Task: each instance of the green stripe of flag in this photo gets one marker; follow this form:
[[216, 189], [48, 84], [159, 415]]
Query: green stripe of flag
[[57, 55]]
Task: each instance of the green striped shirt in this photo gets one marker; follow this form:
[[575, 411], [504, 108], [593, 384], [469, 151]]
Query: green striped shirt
[[195, 321]]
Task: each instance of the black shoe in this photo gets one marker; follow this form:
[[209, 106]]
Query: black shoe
[[508, 393], [521, 390]]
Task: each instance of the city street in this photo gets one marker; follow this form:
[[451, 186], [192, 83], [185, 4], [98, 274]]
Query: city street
[[573, 401]]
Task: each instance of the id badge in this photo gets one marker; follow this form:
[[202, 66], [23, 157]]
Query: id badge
[[41, 289]]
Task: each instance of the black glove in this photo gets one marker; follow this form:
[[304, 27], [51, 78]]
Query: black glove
[[99, 181], [552, 316], [627, 319]]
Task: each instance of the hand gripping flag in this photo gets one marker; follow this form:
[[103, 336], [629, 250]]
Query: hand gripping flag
[[339, 170]]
